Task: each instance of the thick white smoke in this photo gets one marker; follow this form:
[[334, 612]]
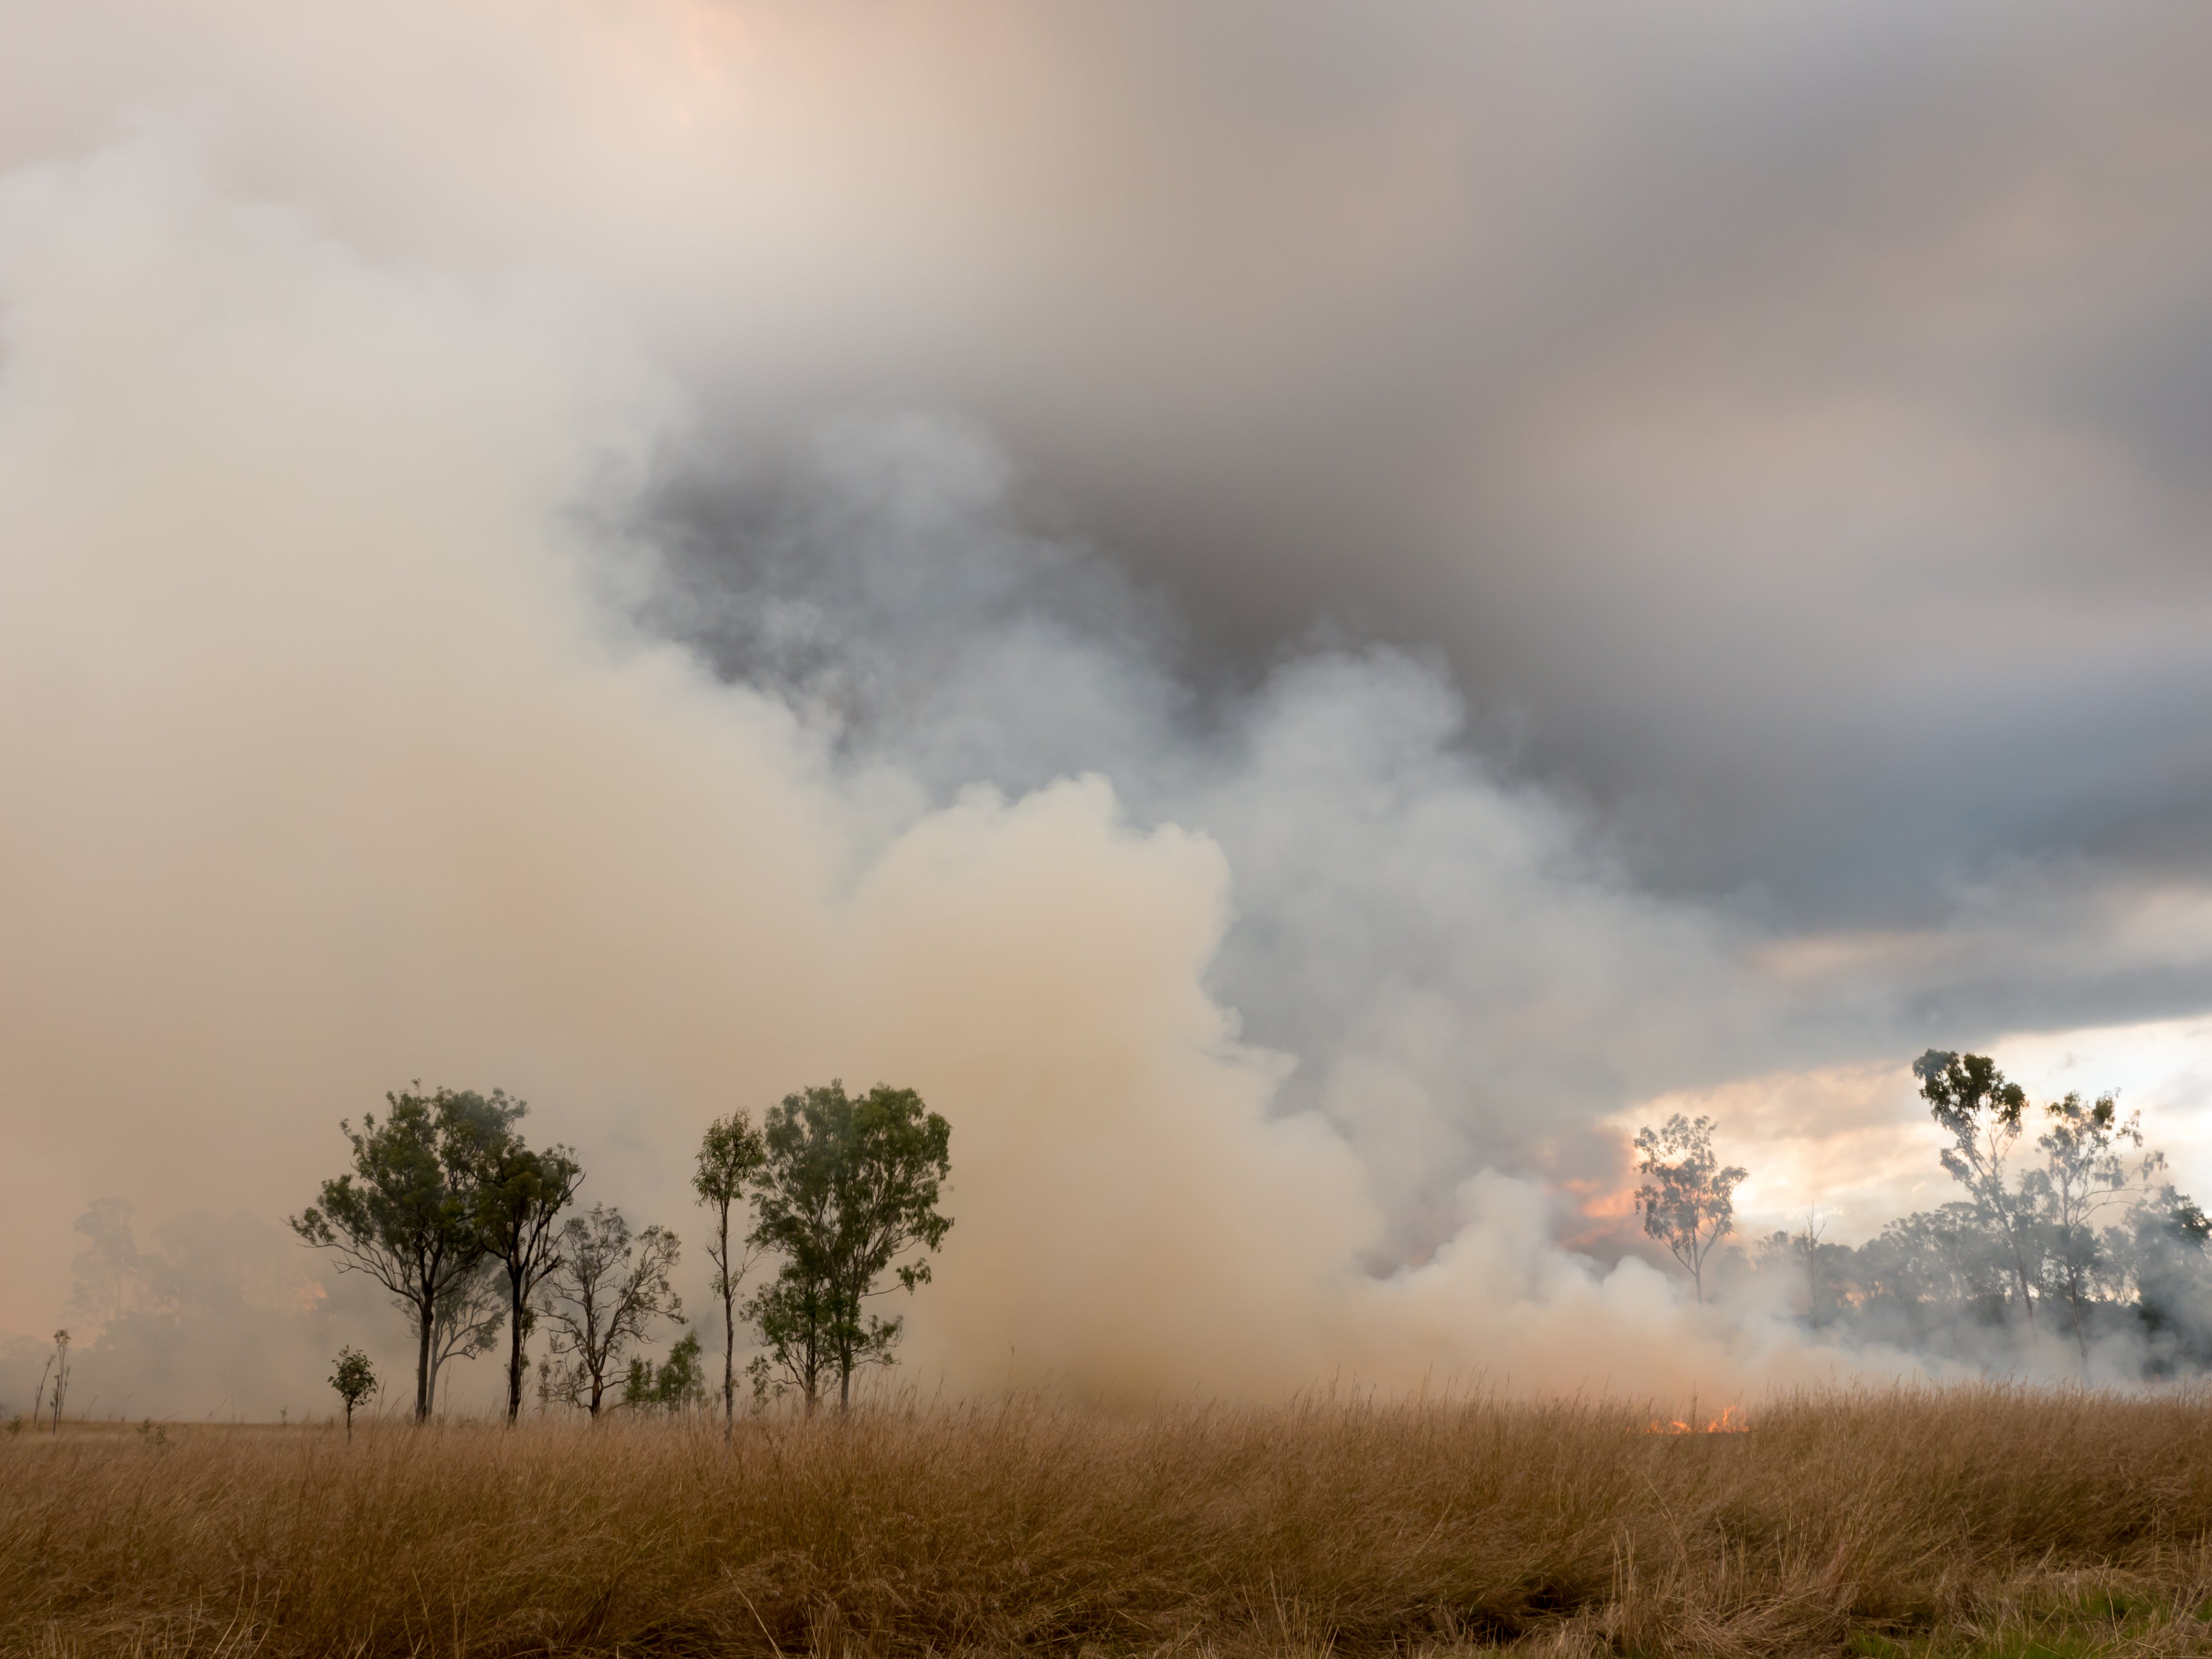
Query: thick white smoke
[[401, 675], [337, 757]]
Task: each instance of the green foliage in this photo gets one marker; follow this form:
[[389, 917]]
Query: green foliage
[[406, 1214], [731, 1155], [520, 1194], [2090, 1228], [790, 1316], [355, 1379], [848, 1189], [1687, 1200], [678, 1383], [1973, 1101]]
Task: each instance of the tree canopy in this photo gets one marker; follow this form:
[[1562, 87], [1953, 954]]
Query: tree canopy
[[848, 1194], [406, 1213], [1687, 1200]]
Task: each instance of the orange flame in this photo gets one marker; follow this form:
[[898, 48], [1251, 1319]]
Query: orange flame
[[1730, 1421]]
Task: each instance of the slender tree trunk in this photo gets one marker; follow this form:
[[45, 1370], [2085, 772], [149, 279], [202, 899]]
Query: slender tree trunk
[[2011, 1219], [729, 1337], [2074, 1301], [514, 1315], [427, 1307], [2020, 1268], [729, 1366]]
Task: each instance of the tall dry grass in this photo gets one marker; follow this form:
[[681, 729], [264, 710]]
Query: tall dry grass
[[1869, 1518]]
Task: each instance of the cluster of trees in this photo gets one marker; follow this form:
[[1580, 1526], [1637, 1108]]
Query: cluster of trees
[[2066, 1222], [470, 1229]]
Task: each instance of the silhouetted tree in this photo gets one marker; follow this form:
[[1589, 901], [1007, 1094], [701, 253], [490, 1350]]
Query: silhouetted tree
[[1948, 1256], [109, 1267], [406, 1214], [1971, 1099], [2173, 1274], [521, 1194], [730, 1156], [1687, 1200], [603, 1294], [58, 1366], [2084, 1172]]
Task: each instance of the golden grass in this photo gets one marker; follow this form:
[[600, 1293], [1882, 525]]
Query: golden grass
[[1982, 1521]]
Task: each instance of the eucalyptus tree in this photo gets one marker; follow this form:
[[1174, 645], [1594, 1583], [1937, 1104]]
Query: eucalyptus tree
[[790, 1316], [1687, 1200], [521, 1193], [603, 1294], [406, 1214], [730, 1156], [2085, 1172], [1973, 1101], [847, 1193]]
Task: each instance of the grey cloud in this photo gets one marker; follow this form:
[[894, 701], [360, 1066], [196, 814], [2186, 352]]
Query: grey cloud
[[1779, 411], [1763, 411]]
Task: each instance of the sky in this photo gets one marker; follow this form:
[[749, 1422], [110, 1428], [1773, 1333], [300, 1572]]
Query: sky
[[1304, 614]]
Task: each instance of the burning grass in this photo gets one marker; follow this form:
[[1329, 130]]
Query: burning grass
[[1984, 1521]]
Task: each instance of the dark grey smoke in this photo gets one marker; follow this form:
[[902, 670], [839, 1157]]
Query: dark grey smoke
[[1791, 425]]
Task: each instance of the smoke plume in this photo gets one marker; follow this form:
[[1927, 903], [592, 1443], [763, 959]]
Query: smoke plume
[[515, 595]]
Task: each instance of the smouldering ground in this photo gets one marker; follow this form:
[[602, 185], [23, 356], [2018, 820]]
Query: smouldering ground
[[1980, 1520]]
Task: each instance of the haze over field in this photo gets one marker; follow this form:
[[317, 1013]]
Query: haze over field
[[1295, 612]]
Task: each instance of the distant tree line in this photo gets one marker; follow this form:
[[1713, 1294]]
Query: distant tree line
[[2066, 1222], [471, 1230]]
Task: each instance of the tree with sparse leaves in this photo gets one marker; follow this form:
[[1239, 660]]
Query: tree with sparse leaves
[[470, 1315], [1973, 1101], [2085, 1172], [1687, 1200], [602, 1296], [730, 1156]]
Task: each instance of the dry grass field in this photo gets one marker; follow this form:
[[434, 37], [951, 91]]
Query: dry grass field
[[1978, 1522]]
